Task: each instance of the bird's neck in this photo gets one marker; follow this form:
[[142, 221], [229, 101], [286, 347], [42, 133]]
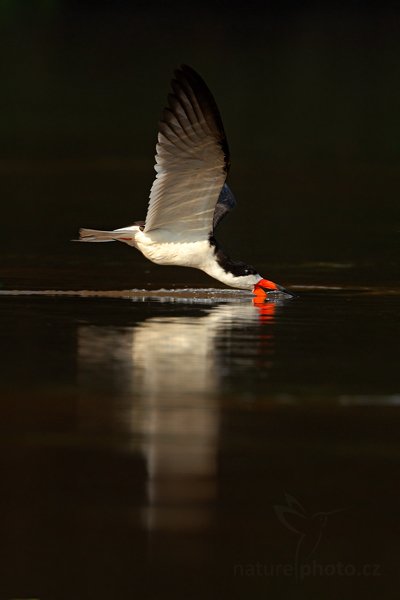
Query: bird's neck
[[230, 272], [235, 267]]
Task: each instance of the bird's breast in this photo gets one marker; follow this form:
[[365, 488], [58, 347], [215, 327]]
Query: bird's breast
[[159, 250]]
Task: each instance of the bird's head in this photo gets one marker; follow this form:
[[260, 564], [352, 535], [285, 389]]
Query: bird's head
[[263, 287]]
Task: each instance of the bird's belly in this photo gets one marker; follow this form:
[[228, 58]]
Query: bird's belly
[[183, 254]]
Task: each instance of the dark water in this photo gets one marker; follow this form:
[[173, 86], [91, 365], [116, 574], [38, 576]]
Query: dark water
[[146, 445], [197, 445]]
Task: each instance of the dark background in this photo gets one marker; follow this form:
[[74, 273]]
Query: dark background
[[144, 445], [309, 94]]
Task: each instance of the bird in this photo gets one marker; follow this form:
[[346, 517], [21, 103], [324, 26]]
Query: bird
[[189, 196]]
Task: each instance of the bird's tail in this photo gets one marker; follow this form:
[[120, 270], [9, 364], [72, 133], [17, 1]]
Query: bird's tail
[[96, 235]]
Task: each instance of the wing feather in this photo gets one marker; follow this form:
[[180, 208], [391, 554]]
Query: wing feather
[[192, 161], [226, 202]]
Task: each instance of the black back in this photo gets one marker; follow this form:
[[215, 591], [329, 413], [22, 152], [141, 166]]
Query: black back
[[226, 202]]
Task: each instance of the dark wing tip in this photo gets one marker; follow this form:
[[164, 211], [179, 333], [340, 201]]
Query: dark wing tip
[[187, 76], [226, 202], [184, 67]]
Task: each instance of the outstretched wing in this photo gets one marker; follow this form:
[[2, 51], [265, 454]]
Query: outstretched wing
[[192, 161], [226, 202]]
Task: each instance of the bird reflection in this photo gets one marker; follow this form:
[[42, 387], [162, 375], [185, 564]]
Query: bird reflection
[[171, 370]]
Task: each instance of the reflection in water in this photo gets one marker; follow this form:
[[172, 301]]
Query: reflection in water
[[170, 369]]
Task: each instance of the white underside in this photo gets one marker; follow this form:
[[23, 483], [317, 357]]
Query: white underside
[[158, 247]]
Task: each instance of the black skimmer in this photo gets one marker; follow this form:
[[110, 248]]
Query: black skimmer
[[189, 196]]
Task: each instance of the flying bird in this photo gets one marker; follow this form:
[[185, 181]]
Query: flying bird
[[189, 196]]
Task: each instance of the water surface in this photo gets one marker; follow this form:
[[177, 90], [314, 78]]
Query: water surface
[[192, 444], [146, 443]]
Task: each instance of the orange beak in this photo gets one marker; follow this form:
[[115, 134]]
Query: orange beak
[[264, 286]]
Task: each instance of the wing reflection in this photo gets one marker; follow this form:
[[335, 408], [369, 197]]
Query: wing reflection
[[170, 370]]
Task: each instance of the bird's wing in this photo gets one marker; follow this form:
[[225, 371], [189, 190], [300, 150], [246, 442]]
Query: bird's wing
[[226, 202], [192, 161]]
